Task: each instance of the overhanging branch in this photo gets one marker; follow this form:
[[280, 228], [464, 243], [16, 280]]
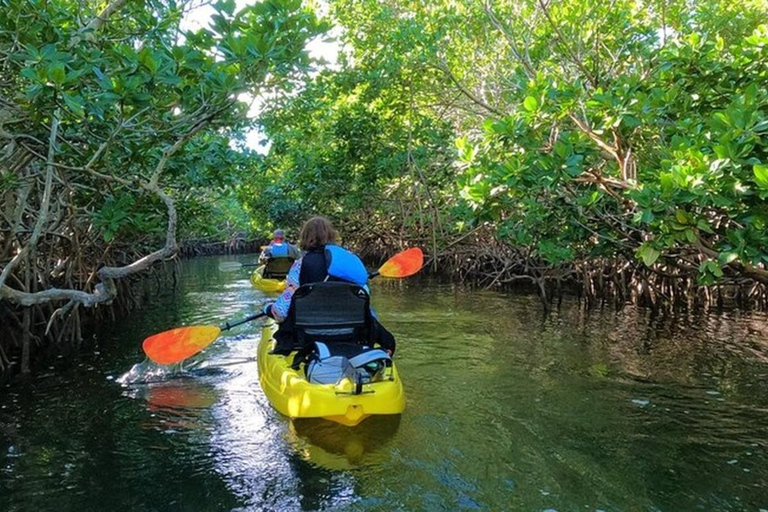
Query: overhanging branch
[[106, 290]]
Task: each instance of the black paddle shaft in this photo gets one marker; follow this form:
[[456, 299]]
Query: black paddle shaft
[[227, 326]]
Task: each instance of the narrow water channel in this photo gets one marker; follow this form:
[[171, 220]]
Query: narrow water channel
[[508, 409]]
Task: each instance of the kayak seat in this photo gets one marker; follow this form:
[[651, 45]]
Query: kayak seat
[[277, 268], [327, 311], [331, 312]]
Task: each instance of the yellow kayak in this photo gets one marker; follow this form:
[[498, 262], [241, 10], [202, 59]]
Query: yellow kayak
[[344, 402], [265, 284]]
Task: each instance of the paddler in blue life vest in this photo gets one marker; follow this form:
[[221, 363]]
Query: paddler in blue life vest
[[279, 247], [317, 237]]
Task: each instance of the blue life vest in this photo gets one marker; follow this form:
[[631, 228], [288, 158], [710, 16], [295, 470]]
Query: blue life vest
[[278, 249], [345, 265]]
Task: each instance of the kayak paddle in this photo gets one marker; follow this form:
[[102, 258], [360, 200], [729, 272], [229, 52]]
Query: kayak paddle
[[402, 264], [227, 266], [175, 345]]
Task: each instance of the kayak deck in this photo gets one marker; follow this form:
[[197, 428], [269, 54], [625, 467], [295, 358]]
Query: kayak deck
[[265, 284], [292, 395]]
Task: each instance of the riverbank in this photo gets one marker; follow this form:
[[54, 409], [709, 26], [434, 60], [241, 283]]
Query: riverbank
[[31, 336], [482, 260], [478, 261]]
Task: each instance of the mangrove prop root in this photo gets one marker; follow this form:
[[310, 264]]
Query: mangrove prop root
[[482, 259]]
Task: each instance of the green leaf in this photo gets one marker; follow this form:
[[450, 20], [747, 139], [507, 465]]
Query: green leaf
[[74, 103], [761, 175], [530, 103], [57, 74], [760, 127], [29, 72], [648, 254], [726, 258], [148, 60], [694, 39], [98, 73], [667, 181], [630, 121], [704, 226], [719, 43], [33, 91], [227, 6]]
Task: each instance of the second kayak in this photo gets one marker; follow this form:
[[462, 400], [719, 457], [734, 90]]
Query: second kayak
[[265, 284]]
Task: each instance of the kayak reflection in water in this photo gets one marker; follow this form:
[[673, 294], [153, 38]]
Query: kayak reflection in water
[[322, 261], [333, 446]]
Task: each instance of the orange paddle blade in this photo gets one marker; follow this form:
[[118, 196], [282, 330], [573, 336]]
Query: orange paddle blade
[[403, 264], [173, 346]]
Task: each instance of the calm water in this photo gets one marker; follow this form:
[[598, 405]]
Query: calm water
[[507, 410]]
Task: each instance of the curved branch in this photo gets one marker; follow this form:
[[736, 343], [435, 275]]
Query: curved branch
[[575, 59], [98, 22], [522, 59], [106, 290]]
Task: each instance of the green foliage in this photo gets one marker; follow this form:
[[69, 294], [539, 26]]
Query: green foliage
[[126, 92], [690, 111], [704, 181], [582, 129], [575, 130], [349, 146], [613, 130]]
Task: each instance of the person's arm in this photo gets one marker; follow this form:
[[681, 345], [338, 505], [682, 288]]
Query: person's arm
[[293, 252], [263, 256], [279, 309]]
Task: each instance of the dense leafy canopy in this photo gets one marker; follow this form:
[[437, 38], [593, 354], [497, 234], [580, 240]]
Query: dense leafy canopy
[[120, 130], [574, 130], [126, 90]]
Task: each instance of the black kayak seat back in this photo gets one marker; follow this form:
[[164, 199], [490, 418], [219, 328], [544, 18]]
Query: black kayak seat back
[[277, 268], [331, 311]]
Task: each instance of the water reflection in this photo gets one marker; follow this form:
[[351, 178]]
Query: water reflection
[[180, 405], [330, 445], [508, 409], [259, 466]]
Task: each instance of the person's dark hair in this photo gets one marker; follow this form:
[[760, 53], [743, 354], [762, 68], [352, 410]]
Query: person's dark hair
[[317, 232]]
